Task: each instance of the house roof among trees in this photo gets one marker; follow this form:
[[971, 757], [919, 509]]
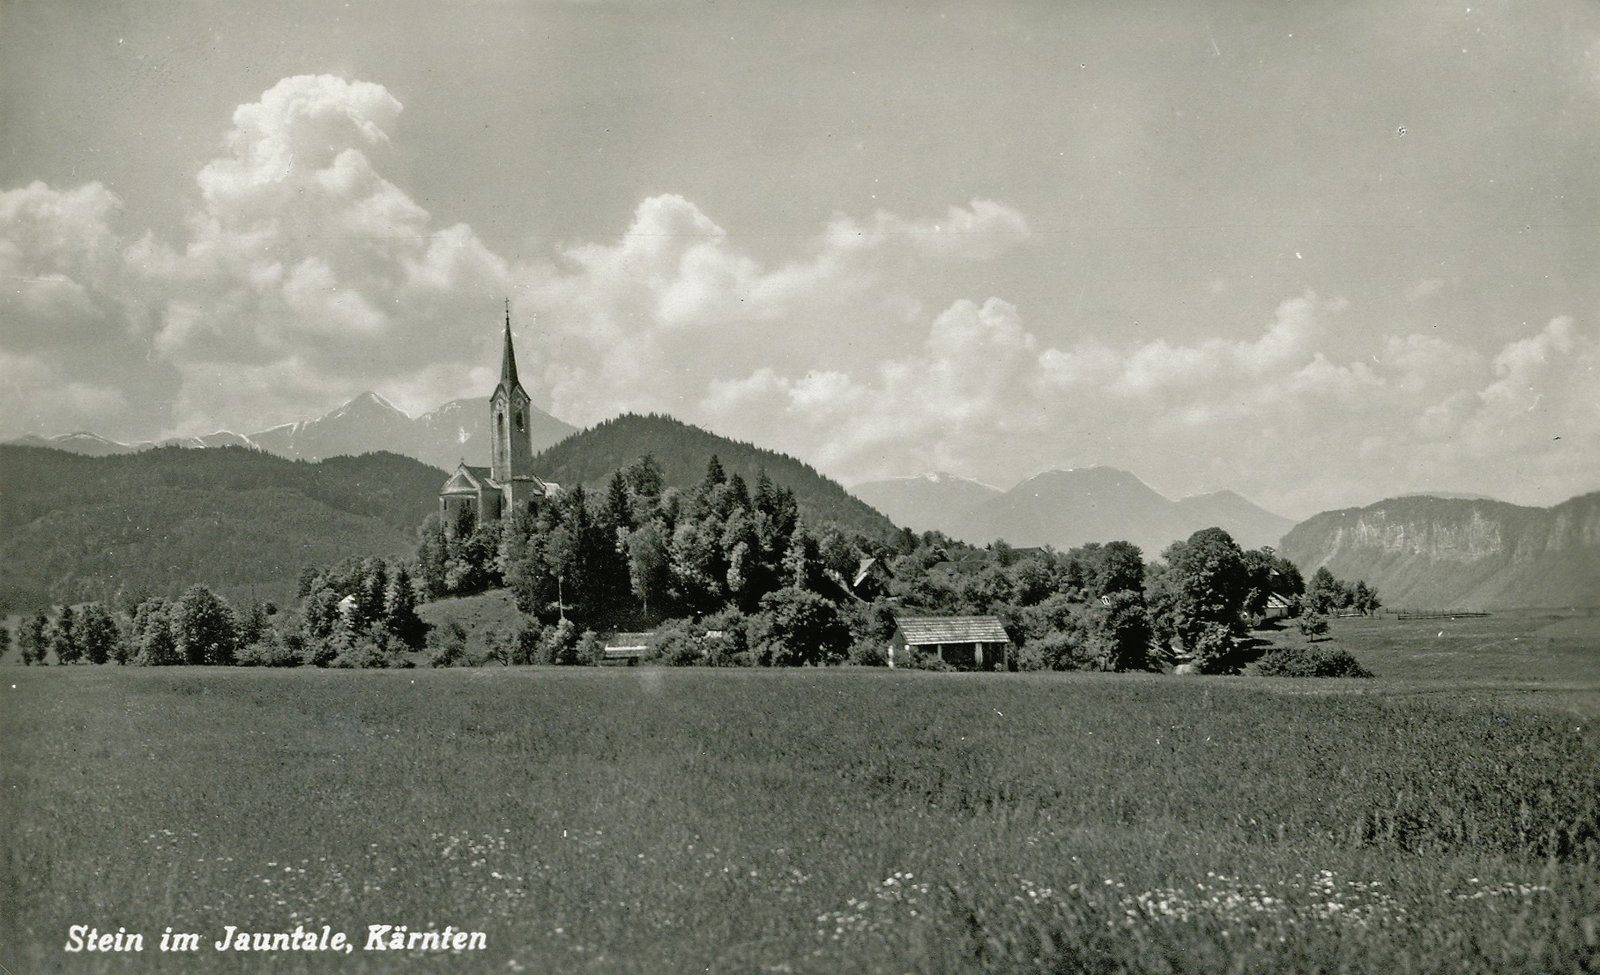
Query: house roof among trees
[[863, 567], [919, 630]]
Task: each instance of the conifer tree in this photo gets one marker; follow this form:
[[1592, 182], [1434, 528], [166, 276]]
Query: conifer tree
[[33, 637], [400, 609], [63, 639], [370, 593]]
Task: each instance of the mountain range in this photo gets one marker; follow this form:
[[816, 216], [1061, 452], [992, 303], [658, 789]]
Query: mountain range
[[442, 437], [1459, 553], [154, 521], [1066, 508]]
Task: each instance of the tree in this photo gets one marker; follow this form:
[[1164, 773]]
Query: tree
[[698, 575], [97, 635], [1032, 581], [1366, 598], [1312, 626], [433, 553], [253, 625], [155, 643], [1215, 650], [370, 593], [1112, 567], [1119, 630], [205, 628], [801, 627], [400, 609], [449, 646], [63, 639], [33, 638], [1325, 593], [1207, 583], [802, 563], [649, 572], [319, 614]]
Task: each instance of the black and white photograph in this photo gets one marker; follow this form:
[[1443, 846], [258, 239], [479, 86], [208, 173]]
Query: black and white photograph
[[757, 486]]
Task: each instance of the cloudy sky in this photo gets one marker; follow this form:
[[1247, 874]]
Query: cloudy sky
[[1315, 252]]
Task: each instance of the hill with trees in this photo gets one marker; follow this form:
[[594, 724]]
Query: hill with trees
[[682, 452], [1460, 553], [75, 528]]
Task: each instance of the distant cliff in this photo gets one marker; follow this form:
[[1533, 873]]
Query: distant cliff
[[1457, 553]]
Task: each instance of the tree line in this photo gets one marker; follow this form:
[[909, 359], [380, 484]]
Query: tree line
[[722, 572]]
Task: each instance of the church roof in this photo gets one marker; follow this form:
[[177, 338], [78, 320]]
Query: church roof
[[468, 479], [508, 361]]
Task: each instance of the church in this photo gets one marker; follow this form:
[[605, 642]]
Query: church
[[508, 485]]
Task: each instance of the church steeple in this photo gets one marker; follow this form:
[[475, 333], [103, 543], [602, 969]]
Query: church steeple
[[508, 361], [512, 453]]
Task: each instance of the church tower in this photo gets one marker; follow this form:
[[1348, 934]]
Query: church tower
[[511, 459], [508, 487]]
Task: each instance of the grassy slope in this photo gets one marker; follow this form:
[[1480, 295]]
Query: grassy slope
[[658, 820]]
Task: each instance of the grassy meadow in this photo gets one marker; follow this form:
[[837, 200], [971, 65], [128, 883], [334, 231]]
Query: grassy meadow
[[1444, 817]]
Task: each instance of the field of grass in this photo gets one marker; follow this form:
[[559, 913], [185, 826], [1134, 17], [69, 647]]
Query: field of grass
[[649, 820], [1541, 659]]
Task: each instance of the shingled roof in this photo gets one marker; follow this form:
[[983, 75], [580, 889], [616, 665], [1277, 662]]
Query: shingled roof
[[921, 630]]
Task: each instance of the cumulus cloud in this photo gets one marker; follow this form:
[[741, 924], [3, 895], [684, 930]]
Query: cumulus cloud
[[1272, 415], [648, 320], [304, 275]]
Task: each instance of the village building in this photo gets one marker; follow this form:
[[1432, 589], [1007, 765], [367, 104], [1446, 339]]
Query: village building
[[626, 649], [508, 485], [871, 578], [1277, 607], [963, 642]]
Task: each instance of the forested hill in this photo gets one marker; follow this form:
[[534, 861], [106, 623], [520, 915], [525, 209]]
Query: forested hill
[[683, 451], [1454, 553], [74, 528]]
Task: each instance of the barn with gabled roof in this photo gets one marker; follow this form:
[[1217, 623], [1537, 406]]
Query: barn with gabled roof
[[963, 642]]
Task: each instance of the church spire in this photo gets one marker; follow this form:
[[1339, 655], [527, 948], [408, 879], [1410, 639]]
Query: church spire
[[508, 363]]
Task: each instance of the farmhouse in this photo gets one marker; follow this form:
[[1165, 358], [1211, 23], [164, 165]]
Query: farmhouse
[[508, 485], [1277, 607], [965, 642]]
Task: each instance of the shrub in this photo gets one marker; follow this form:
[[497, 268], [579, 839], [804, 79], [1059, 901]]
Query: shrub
[[361, 654], [1216, 650], [1060, 650], [559, 643], [868, 652], [269, 651], [526, 649], [591, 649], [678, 643], [733, 644], [317, 652], [1310, 662], [447, 646]]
